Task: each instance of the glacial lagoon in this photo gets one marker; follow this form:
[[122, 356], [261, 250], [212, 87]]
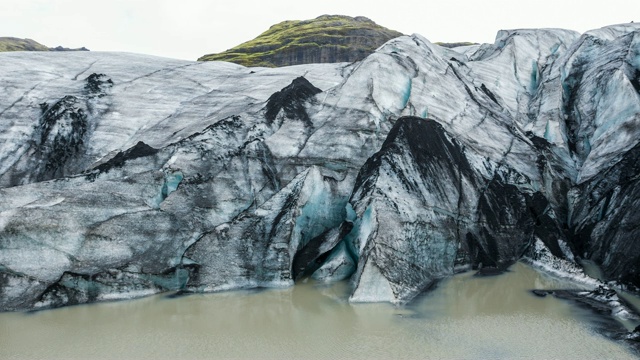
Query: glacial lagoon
[[464, 317]]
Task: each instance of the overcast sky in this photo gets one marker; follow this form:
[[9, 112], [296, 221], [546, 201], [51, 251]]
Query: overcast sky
[[188, 29]]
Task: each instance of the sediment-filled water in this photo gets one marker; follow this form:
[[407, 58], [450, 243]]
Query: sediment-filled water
[[464, 317]]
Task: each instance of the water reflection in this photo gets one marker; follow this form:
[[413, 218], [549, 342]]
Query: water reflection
[[465, 317]]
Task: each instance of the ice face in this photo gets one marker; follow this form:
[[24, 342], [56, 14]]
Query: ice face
[[136, 175], [158, 101], [338, 266], [372, 286]]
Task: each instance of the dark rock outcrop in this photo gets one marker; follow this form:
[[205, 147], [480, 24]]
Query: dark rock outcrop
[[61, 48], [62, 129], [57, 146], [291, 101]]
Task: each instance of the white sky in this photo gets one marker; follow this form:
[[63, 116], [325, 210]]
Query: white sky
[[188, 29]]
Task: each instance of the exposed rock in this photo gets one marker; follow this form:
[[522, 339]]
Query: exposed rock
[[60, 48], [452, 45], [98, 84], [290, 101], [62, 127], [325, 39]]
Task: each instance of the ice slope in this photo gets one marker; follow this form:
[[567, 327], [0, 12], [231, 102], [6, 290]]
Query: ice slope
[[427, 211], [139, 98], [124, 175]]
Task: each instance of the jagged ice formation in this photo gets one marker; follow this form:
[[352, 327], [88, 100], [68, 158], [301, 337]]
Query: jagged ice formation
[[125, 175]]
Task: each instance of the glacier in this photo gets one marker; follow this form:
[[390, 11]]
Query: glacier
[[124, 175]]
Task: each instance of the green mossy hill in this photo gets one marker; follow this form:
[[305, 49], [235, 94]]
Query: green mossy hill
[[15, 44], [325, 39]]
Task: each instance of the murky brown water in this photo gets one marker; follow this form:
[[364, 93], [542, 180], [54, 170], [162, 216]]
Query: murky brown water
[[464, 318]]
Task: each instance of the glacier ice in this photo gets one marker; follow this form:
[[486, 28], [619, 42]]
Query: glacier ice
[[338, 266], [123, 175]]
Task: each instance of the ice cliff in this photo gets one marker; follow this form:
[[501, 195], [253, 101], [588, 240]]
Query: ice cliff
[[124, 175]]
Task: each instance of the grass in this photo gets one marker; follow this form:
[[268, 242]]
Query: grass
[[15, 44], [339, 32]]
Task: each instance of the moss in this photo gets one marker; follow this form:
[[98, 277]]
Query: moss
[[328, 31], [15, 44]]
